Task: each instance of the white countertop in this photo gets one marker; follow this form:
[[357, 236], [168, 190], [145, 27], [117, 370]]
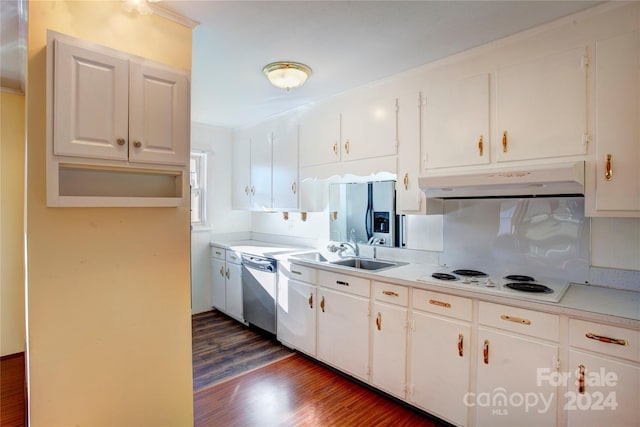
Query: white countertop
[[588, 302]]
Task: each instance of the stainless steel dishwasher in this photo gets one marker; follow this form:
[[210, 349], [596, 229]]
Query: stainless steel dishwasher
[[259, 291]]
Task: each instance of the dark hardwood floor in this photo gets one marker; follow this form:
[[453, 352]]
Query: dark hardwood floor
[[223, 348], [297, 391], [12, 391]]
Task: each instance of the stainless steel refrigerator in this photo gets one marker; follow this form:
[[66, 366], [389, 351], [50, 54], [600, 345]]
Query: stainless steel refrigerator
[[363, 212]]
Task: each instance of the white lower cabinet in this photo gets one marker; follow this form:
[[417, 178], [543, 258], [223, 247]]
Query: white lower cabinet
[[226, 283], [440, 355], [389, 338], [343, 323], [296, 310]]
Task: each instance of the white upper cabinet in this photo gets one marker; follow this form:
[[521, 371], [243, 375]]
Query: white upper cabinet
[[107, 106], [241, 172], [541, 107], [408, 193], [456, 122], [320, 137], [286, 188], [90, 113], [261, 163], [158, 115], [369, 126], [617, 127]]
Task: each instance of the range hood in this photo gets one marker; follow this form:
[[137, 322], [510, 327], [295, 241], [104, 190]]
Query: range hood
[[508, 181]]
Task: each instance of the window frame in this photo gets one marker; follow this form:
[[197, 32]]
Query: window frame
[[200, 158]]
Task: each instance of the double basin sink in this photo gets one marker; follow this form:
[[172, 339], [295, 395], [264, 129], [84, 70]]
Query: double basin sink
[[355, 263]]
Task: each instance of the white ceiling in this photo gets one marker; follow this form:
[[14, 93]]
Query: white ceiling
[[346, 43]]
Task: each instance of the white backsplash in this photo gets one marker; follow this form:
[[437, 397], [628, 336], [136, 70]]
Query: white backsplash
[[541, 237]]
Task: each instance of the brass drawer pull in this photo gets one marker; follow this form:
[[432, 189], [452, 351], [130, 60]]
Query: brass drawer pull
[[608, 168], [322, 304], [293, 188], [581, 386], [607, 340], [379, 321], [299, 273], [405, 180], [460, 344], [310, 300], [121, 141], [335, 148], [391, 293], [504, 141], [346, 146], [485, 352], [480, 146], [515, 319], [340, 282], [222, 271], [439, 303]]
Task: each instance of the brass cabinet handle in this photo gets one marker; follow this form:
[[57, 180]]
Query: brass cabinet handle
[[607, 340], [405, 181], [439, 303], [294, 188], [228, 273], [233, 257], [121, 141], [504, 141], [340, 282], [485, 352], [218, 253], [222, 271], [322, 304], [460, 344], [310, 300], [379, 321], [335, 148], [346, 146], [515, 319], [608, 168], [581, 386], [480, 146], [246, 190], [137, 144], [299, 273], [391, 293]]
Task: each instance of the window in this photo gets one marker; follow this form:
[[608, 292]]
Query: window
[[198, 182]]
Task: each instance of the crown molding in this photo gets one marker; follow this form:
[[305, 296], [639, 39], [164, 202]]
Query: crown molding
[[173, 16]]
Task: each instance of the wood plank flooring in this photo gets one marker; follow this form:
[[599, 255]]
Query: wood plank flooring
[[12, 391], [297, 391], [224, 348]]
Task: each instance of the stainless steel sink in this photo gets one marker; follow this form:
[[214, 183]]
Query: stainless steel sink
[[311, 256], [365, 264]]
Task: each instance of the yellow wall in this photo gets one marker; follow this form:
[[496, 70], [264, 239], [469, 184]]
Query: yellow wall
[[108, 297], [12, 223]]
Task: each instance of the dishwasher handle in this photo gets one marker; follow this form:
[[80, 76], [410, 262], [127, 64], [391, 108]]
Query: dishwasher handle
[[259, 263]]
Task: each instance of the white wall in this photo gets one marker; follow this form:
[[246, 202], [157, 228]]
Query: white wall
[[217, 144]]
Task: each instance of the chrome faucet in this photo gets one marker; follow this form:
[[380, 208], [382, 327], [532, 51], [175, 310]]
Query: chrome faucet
[[343, 246]]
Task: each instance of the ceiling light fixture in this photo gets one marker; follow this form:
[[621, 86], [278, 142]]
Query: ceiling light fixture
[[286, 75]]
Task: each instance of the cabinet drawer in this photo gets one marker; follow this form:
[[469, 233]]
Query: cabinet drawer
[[447, 305], [233, 257], [522, 321], [393, 294], [344, 283], [610, 340], [217, 253], [301, 273]]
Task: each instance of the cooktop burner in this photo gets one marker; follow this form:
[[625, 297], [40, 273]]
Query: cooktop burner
[[470, 273], [520, 278], [529, 287], [444, 276]]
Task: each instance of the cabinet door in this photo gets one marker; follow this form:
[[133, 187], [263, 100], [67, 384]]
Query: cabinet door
[[320, 137], [297, 314], [233, 274], [618, 124], [241, 171], [369, 128], [508, 391], [440, 354], [610, 393], [261, 142], [158, 115], [408, 194], [285, 165], [91, 107], [389, 348], [218, 285], [456, 123], [343, 331], [541, 107]]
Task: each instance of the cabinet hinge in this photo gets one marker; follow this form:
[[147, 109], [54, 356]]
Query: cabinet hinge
[[586, 138], [397, 107], [585, 61], [419, 100]]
